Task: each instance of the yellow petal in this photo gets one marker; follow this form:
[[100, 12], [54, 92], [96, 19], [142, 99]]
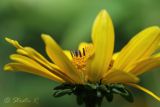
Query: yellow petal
[[28, 51], [139, 47], [146, 65], [87, 49], [68, 54], [119, 77], [103, 41], [33, 70], [33, 54], [144, 90], [115, 55], [29, 62], [13, 42], [59, 58]]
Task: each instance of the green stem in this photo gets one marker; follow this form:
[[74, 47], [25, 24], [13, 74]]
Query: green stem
[[92, 101]]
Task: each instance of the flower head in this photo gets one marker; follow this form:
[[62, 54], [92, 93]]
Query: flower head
[[93, 63]]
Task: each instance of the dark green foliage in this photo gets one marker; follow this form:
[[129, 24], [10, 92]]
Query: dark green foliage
[[60, 93], [92, 94], [121, 90]]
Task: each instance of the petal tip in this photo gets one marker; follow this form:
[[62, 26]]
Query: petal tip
[[13, 42], [8, 39], [7, 68], [103, 13], [45, 37], [156, 28]]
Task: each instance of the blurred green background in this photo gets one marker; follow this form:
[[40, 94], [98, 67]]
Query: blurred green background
[[69, 22]]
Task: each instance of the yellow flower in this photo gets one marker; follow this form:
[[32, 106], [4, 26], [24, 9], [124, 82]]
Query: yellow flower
[[93, 62]]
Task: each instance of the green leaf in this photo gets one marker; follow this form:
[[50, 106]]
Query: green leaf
[[120, 91], [104, 88], [90, 86], [60, 93], [128, 97], [124, 93]]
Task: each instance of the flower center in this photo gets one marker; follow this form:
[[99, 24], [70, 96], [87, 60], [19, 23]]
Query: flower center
[[79, 59]]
